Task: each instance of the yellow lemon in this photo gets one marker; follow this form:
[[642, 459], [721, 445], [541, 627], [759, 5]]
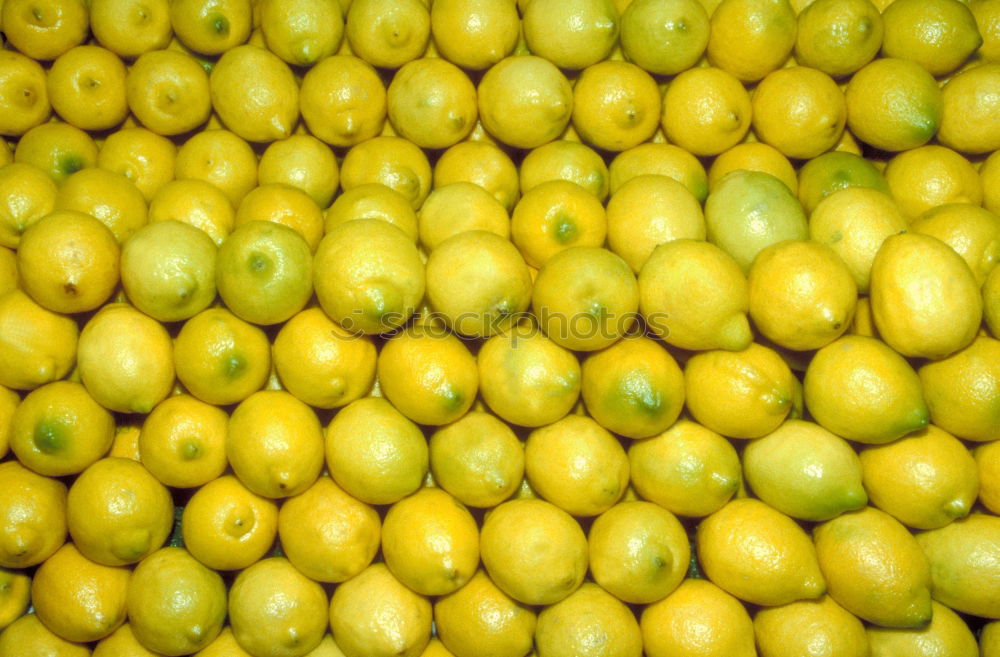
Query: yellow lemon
[[144, 157], [693, 295], [255, 94], [9, 401], [697, 618], [430, 376], [567, 628], [474, 34], [78, 599], [44, 30], [706, 111], [480, 619], [304, 162], [8, 271], [168, 92], [478, 282], [755, 156], [526, 378], [226, 526], [107, 196], [28, 637], [432, 103], [534, 551], [68, 262], [639, 552], [87, 88], [554, 216], [961, 390], [658, 158], [328, 535], [799, 110], [634, 387], [32, 516], [740, 394], [893, 104], [175, 604], [183, 442], [874, 568], [376, 201], [860, 389], [649, 210], [275, 444], [939, 35], [758, 554], [806, 627], [664, 38], [962, 558], [121, 643], [58, 429], [211, 28], [973, 232], [126, 359], [16, 595], [37, 345], [577, 465], [616, 105], [28, 195], [118, 513], [925, 299], [284, 204], [805, 471], [929, 176], [430, 542], [392, 161], [374, 452], [376, 614], [764, 30], [304, 32], [126, 442], [830, 172], [988, 461], [274, 609], [343, 100], [483, 164], [477, 458], [780, 306], [23, 94], [991, 301], [563, 159], [838, 37], [57, 148], [456, 208], [946, 634], [525, 101], [988, 22], [219, 157], [967, 122], [197, 203], [130, 28], [925, 480], [572, 36], [387, 34]]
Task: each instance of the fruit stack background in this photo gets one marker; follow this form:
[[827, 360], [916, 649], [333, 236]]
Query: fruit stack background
[[491, 328]]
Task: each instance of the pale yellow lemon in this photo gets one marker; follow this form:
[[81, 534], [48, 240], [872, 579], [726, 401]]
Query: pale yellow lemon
[[483, 164], [130, 28], [183, 442], [756, 156], [432, 103], [939, 35], [219, 157], [616, 105], [961, 390], [862, 390], [107, 196], [194, 202], [388, 34], [706, 111], [57, 148], [168, 92], [392, 161], [799, 110], [23, 94], [32, 516], [44, 30], [225, 526], [28, 195], [693, 295], [304, 32], [343, 100], [87, 88], [255, 94], [304, 162], [525, 101], [697, 618], [765, 32], [962, 557], [479, 617], [328, 535], [573, 35], [8, 270], [37, 345], [554, 216], [874, 568], [809, 627], [838, 37], [144, 157]]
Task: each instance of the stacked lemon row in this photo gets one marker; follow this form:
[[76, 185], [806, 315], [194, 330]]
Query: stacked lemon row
[[489, 328]]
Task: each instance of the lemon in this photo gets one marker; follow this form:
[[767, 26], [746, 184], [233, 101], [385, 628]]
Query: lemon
[[175, 605], [28, 196], [989, 639], [639, 552], [183, 442], [765, 32], [374, 452], [568, 627], [697, 618], [664, 38], [121, 642], [44, 30], [274, 609], [988, 461], [968, 108], [971, 231], [706, 111], [15, 594], [526, 378], [478, 281], [947, 633], [144, 157], [780, 307], [432, 103], [57, 148], [534, 551], [962, 558], [991, 301], [28, 637], [939, 35], [168, 92], [474, 34], [304, 162], [838, 37], [343, 100], [255, 94], [480, 619], [219, 157], [226, 526], [958, 390], [87, 88], [33, 516], [211, 28], [524, 101], [571, 36], [799, 110], [563, 159], [458, 207], [482, 163], [374, 201], [662, 159], [58, 429], [375, 614], [130, 28], [284, 204], [874, 568], [554, 216], [924, 297], [477, 458], [860, 389], [830, 172], [302, 33], [328, 535], [809, 626], [78, 599], [388, 34], [755, 156], [616, 105], [24, 96], [925, 177]]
